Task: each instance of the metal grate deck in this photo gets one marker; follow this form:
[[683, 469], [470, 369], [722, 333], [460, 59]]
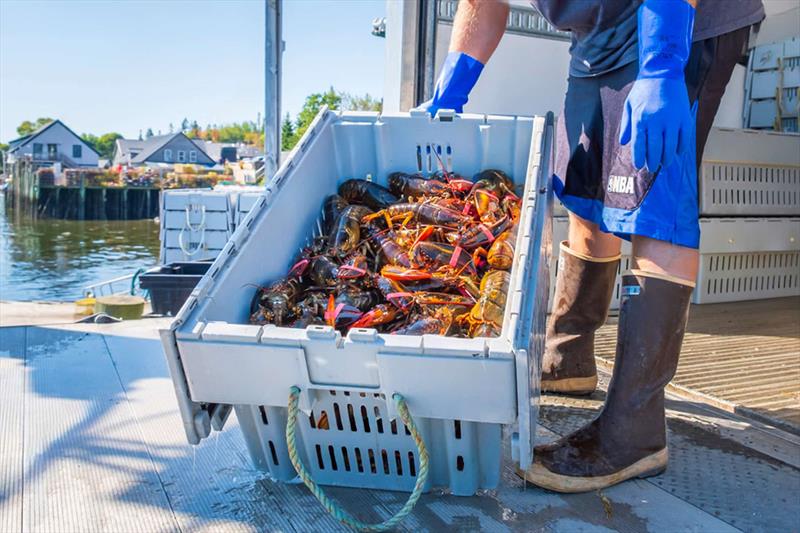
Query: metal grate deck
[[743, 357]]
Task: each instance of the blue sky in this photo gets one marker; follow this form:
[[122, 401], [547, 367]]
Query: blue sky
[[122, 66]]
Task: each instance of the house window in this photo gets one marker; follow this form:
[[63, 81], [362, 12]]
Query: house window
[[77, 151], [192, 156], [167, 155], [181, 156], [37, 149], [52, 152]]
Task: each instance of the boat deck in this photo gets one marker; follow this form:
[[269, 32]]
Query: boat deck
[[742, 357], [91, 440]]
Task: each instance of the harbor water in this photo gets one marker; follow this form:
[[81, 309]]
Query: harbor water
[[52, 260]]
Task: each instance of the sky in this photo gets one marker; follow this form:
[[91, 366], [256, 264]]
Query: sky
[[126, 65]]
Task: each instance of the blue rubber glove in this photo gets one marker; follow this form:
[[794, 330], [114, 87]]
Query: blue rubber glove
[[459, 75], [657, 117]]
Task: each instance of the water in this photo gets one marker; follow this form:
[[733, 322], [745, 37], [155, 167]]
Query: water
[[46, 259]]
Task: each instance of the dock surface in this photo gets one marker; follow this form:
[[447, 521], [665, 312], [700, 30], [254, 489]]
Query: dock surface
[[91, 440]]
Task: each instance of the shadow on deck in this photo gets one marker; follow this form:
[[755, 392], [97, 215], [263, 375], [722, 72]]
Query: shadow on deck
[[91, 440]]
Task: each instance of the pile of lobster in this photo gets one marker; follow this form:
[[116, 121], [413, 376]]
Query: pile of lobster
[[425, 255]]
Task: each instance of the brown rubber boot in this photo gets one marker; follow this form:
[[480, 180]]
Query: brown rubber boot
[[583, 292], [628, 438]]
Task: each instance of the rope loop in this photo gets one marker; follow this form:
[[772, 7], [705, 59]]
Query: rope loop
[[331, 506]]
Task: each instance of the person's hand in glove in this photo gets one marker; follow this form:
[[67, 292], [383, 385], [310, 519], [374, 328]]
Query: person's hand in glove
[[657, 118], [459, 75], [477, 29]]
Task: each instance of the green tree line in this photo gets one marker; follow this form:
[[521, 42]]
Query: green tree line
[[248, 132]]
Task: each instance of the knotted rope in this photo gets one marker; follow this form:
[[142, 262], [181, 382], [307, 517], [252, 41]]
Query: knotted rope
[[332, 507]]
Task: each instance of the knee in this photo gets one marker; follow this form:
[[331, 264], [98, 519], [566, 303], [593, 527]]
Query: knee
[[587, 238]]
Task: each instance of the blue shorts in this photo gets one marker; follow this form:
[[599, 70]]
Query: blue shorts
[[595, 177]]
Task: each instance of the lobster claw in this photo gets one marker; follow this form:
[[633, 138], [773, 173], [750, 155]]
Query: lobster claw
[[378, 315]]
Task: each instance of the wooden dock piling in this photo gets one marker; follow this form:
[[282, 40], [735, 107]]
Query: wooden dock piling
[[78, 201]]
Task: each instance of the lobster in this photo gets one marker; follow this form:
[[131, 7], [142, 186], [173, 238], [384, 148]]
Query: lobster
[[367, 193], [443, 255], [323, 271], [331, 209], [481, 234], [494, 181], [414, 186], [486, 316], [501, 253], [274, 304], [384, 240], [421, 213], [346, 233]]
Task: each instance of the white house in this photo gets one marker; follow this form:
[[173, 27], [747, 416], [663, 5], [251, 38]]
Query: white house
[[54, 143]]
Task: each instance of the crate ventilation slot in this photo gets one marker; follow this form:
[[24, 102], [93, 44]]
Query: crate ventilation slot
[[433, 157]]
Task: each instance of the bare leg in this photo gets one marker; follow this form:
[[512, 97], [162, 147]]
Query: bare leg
[[672, 262], [586, 238]]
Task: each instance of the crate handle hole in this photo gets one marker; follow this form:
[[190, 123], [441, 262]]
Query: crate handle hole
[[393, 426], [372, 466], [378, 420], [365, 419], [273, 453], [359, 463], [333, 457], [345, 458], [385, 461], [322, 421], [399, 463], [263, 412], [338, 416], [351, 414], [460, 463], [457, 427], [412, 467], [319, 457]]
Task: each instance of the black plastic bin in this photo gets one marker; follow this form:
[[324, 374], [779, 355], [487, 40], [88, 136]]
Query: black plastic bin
[[170, 285]]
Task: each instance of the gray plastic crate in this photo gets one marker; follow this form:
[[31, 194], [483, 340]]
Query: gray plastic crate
[[461, 392], [750, 173]]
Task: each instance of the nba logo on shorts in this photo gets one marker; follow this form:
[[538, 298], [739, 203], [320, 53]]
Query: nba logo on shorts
[[620, 184]]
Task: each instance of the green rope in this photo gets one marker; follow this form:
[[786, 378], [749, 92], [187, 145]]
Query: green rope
[[339, 513]]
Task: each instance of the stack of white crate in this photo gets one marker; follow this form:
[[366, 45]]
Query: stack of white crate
[[196, 223], [771, 86], [749, 196]]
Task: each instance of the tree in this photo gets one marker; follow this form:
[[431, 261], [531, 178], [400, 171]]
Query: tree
[[194, 131], [352, 102], [28, 127], [140, 134], [184, 124], [311, 107], [171, 128], [149, 133], [288, 139], [103, 144]]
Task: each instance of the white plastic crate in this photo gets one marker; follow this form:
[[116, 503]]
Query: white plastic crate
[[459, 391], [740, 259], [748, 259], [750, 173], [195, 224], [244, 203]]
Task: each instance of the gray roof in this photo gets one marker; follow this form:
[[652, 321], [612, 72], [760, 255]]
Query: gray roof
[[146, 147]]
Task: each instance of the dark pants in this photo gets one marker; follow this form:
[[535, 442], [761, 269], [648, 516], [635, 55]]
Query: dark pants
[[594, 175]]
